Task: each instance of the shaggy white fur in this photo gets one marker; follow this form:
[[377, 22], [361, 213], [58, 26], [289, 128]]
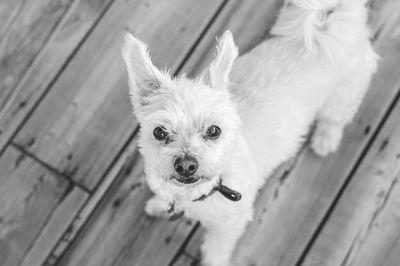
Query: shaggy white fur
[[317, 66]]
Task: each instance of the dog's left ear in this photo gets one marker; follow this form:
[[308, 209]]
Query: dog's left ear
[[144, 77], [217, 74]]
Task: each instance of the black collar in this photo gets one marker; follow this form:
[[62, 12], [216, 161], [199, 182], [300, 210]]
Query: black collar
[[225, 191]]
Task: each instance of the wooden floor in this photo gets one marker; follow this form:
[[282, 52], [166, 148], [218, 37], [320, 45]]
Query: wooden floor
[[72, 189]]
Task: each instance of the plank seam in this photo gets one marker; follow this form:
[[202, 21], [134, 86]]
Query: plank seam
[[348, 179], [181, 249], [50, 168]]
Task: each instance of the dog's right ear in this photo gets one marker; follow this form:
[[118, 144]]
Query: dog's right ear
[[144, 77]]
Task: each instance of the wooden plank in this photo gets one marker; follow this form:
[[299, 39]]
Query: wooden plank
[[86, 118], [36, 207], [24, 28], [40, 38], [279, 236], [364, 228]]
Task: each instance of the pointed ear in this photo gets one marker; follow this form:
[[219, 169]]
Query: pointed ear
[[217, 74], [144, 77]]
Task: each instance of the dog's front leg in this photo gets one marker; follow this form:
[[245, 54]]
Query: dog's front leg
[[157, 207], [220, 240]]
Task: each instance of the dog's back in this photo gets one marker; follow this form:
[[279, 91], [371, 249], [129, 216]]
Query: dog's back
[[313, 58]]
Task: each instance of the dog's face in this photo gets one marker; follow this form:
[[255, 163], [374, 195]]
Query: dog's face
[[187, 126]]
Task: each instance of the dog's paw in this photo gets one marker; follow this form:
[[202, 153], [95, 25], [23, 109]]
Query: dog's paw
[[326, 139], [156, 207]]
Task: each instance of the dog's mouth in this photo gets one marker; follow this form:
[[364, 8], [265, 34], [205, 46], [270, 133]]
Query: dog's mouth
[[187, 180], [191, 180]]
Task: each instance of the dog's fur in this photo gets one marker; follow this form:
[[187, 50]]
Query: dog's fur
[[317, 66]]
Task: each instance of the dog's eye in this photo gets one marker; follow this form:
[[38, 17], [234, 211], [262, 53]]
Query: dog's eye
[[160, 133], [213, 132]]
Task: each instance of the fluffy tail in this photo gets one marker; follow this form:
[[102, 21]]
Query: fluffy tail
[[334, 28]]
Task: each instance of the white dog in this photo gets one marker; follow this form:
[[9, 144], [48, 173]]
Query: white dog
[[209, 143]]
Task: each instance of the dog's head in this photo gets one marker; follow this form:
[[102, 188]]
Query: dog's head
[[187, 125]]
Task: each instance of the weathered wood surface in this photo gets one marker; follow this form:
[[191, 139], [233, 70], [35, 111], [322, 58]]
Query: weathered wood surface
[[364, 228], [86, 118], [279, 235], [38, 40], [24, 29], [35, 209]]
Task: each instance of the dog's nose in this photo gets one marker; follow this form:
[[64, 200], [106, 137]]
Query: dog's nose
[[186, 166]]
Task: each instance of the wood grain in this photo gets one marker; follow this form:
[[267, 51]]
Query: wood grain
[[364, 228], [86, 118], [25, 27], [279, 234], [36, 207], [36, 47]]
